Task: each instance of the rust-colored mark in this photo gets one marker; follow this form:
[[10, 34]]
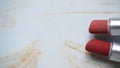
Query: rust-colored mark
[[79, 58], [27, 58], [12, 66], [7, 22], [78, 48]]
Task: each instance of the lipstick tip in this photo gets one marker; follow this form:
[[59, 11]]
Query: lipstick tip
[[99, 27], [98, 47]]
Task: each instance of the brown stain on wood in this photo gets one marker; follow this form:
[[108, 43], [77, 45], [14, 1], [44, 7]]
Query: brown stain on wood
[[12, 66], [7, 22], [27, 58], [75, 47]]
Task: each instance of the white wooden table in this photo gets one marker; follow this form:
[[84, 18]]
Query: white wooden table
[[60, 25]]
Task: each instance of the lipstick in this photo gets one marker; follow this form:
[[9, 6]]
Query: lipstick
[[107, 49], [111, 26]]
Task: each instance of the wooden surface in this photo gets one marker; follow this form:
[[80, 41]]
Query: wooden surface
[[61, 26]]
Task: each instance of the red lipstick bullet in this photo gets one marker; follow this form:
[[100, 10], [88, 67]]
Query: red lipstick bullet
[[111, 26], [107, 49]]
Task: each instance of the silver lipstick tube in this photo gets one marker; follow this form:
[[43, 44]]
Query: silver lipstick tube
[[114, 26], [115, 52]]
